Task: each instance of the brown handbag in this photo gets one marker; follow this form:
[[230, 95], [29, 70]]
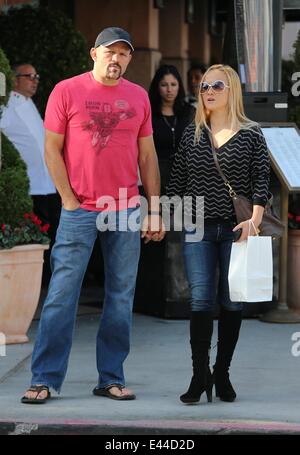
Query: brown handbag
[[271, 225]]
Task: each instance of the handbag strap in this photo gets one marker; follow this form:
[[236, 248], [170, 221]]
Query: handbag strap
[[231, 191]]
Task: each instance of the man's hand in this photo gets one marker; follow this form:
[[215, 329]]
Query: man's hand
[[153, 228], [71, 204]]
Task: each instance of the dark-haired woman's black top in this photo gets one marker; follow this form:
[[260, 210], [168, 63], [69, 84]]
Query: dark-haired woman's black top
[[166, 141]]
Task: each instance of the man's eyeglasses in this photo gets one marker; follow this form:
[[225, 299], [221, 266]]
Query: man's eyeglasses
[[217, 86], [31, 76]]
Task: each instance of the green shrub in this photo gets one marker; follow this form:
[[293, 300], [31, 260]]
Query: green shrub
[[14, 185], [5, 69], [288, 68], [294, 115], [296, 46], [18, 225], [48, 40]]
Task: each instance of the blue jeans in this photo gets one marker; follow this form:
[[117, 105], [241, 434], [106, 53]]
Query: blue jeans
[[75, 238], [201, 262]]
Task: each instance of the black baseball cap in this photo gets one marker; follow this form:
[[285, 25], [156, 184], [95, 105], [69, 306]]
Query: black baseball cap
[[113, 35]]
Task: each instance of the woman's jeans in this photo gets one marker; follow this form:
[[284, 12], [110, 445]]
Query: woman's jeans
[[202, 259], [75, 239]]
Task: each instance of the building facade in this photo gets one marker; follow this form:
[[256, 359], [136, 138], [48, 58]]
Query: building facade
[[178, 32]]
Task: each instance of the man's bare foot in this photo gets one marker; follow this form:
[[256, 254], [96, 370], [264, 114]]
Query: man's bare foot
[[115, 392], [38, 393]]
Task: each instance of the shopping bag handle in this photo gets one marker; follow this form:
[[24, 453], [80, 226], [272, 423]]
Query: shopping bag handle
[[255, 230]]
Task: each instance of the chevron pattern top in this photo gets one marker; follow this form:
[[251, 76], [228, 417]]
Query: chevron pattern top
[[243, 159]]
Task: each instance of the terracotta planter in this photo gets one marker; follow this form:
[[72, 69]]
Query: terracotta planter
[[293, 279], [21, 270]]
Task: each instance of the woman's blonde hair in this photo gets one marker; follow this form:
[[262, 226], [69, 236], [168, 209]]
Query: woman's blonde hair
[[236, 113]]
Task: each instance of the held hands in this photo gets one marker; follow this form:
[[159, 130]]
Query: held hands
[[153, 228], [247, 228]]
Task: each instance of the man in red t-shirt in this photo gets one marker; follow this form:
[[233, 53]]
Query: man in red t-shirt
[[98, 132]]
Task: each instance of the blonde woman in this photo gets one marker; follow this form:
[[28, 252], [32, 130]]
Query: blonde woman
[[243, 157]]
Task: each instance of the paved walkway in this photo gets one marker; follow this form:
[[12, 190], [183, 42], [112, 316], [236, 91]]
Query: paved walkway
[[264, 373]]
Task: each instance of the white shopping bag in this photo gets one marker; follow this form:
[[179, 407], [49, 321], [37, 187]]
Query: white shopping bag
[[250, 274]]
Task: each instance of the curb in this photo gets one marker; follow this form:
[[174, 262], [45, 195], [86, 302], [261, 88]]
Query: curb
[[149, 427]]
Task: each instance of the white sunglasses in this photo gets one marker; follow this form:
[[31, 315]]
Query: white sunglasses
[[217, 87]]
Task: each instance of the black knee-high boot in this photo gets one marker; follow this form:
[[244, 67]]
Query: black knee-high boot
[[201, 328], [228, 334]]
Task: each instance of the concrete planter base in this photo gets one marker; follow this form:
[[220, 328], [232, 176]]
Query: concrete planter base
[[21, 270]]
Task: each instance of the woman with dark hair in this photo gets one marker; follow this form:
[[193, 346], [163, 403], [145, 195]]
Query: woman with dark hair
[[157, 291], [170, 115]]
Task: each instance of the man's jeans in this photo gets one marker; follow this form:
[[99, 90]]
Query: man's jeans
[[201, 263], [75, 238]]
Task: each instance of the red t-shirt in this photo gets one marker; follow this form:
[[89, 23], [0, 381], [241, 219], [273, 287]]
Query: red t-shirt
[[101, 125]]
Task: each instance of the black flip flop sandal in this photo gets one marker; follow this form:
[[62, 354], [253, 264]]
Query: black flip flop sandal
[[105, 392], [38, 389]]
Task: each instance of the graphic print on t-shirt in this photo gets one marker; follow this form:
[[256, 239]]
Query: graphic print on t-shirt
[[104, 118]]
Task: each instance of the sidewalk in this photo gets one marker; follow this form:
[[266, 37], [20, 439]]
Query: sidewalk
[[264, 373]]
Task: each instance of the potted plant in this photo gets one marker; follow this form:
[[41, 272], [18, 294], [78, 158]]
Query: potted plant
[[23, 239], [293, 283]]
